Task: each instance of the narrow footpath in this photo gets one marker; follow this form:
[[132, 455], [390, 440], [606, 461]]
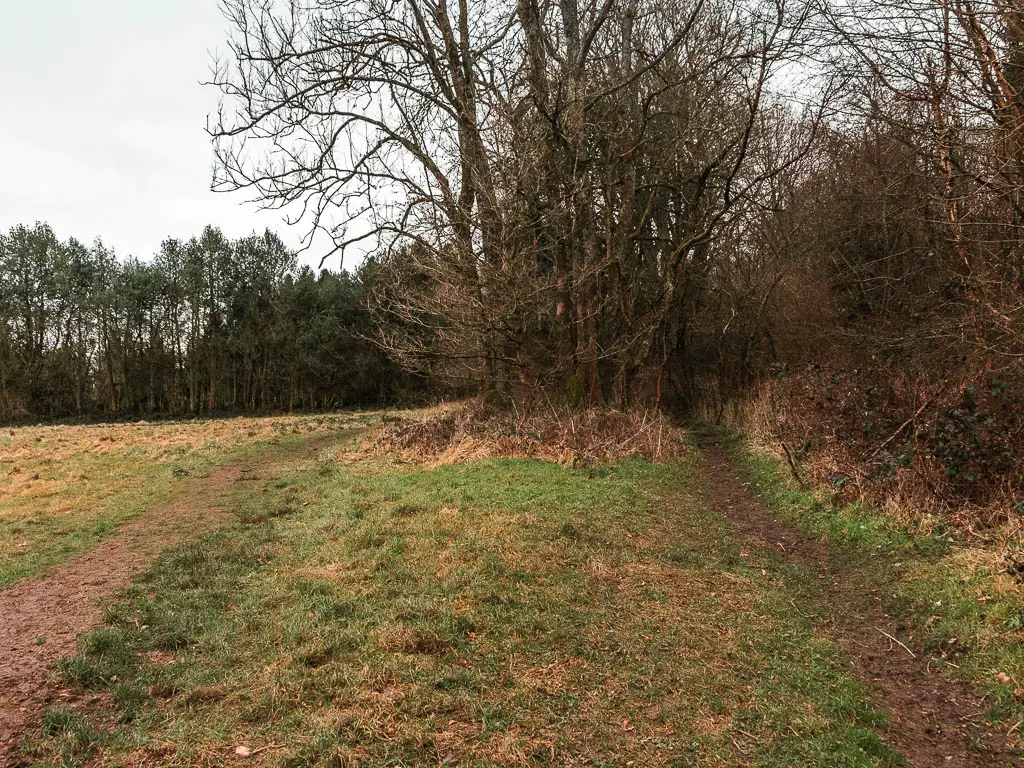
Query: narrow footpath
[[42, 619], [935, 721]]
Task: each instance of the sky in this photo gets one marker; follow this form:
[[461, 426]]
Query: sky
[[102, 119]]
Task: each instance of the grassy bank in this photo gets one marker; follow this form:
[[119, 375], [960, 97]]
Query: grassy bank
[[965, 609]]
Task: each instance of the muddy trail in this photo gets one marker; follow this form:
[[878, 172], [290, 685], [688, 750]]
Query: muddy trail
[[41, 619], [935, 721]]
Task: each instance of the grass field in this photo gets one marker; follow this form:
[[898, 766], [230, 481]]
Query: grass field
[[501, 613], [64, 488], [357, 609]]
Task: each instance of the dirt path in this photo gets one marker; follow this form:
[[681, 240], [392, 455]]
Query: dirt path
[[41, 619], [935, 721]]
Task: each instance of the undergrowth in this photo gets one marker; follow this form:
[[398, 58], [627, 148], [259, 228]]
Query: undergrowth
[[924, 451], [574, 437]]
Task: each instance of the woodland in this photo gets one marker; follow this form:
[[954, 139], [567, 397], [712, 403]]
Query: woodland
[[209, 325], [801, 217]]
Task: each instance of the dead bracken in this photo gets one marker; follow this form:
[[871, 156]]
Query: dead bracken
[[574, 438]]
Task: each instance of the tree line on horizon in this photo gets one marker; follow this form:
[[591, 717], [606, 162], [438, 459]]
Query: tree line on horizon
[[209, 325]]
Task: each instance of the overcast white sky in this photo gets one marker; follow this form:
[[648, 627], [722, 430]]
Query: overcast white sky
[[102, 122]]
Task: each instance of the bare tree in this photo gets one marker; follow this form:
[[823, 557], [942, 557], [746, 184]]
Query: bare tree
[[945, 77], [541, 184]]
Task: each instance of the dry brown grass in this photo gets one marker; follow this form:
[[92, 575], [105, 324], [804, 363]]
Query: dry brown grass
[[469, 431], [43, 461], [65, 487]]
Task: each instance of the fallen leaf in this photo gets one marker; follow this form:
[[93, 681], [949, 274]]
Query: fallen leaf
[[1003, 678]]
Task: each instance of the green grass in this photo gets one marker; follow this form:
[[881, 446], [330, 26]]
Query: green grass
[[72, 737], [500, 613], [965, 614], [60, 496]]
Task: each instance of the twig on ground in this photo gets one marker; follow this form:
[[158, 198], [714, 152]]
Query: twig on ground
[[267, 748], [903, 426], [901, 645], [792, 467]]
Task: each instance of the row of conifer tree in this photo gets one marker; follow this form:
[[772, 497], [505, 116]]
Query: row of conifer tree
[[209, 324]]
